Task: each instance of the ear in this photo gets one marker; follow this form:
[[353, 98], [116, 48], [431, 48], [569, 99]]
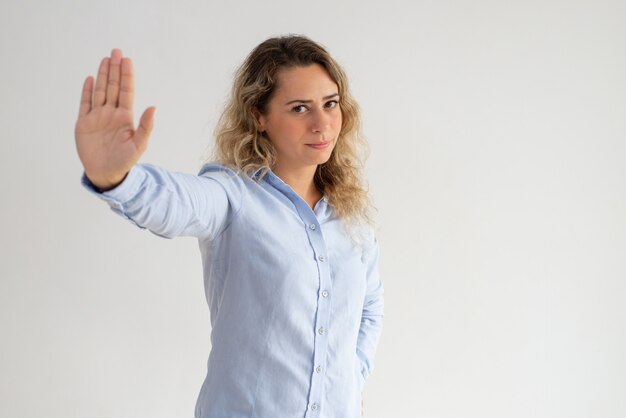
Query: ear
[[260, 118]]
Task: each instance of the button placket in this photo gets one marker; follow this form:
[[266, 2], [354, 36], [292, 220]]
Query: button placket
[[314, 232], [320, 345]]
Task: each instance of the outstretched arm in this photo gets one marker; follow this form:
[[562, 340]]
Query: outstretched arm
[[109, 146], [107, 141]]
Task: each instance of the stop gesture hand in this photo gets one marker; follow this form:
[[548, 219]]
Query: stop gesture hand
[[107, 141]]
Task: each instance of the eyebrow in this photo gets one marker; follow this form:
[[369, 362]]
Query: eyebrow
[[309, 101]]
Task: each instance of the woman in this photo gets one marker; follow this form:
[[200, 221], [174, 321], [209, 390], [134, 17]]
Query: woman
[[290, 264]]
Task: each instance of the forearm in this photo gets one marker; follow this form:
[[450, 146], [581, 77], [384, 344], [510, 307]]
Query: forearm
[[370, 331], [372, 314], [168, 204]]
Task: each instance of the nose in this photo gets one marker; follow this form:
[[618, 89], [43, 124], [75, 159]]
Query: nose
[[320, 121]]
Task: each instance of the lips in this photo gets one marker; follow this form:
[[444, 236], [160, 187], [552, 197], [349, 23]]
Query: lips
[[319, 145]]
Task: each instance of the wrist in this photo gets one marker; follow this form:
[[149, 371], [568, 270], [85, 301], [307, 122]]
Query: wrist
[[104, 185]]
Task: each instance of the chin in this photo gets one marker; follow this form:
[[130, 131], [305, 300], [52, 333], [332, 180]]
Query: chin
[[324, 159]]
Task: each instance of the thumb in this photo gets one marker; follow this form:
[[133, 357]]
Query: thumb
[[146, 123]]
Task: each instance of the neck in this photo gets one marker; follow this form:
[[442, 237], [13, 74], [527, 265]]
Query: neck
[[301, 181]]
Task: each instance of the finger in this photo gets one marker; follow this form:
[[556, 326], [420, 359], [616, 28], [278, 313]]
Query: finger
[[127, 86], [100, 93], [85, 98], [113, 85], [146, 123]]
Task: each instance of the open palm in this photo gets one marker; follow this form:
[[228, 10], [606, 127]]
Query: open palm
[[107, 142]]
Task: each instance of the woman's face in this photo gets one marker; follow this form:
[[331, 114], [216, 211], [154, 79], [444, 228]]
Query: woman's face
[[303, 118]]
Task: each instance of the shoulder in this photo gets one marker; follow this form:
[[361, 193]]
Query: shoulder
[[233, 181], [228, 177], [217, 170]]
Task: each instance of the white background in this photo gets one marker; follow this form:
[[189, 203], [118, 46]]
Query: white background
[[498, 149]]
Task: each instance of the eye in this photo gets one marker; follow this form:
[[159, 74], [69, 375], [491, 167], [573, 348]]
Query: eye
[[332, 104], [299, 109]]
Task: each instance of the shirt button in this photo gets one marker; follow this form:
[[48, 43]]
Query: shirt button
[[325, 293], [318, 369], [321, 331], [312, 226], [314, 407], [321, 258]]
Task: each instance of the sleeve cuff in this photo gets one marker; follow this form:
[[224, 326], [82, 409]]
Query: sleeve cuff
[[362, 380], [123, 192]]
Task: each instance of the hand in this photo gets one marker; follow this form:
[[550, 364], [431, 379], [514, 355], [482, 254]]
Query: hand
[[362, 408], [107, 142]]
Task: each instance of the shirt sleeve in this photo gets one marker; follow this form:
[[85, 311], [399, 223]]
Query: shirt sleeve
[[372, 316], [171, 204]]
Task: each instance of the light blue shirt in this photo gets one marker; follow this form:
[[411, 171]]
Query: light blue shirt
[[296, 303]]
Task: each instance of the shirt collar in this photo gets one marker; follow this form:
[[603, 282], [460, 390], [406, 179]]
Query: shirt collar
[[274, 179]]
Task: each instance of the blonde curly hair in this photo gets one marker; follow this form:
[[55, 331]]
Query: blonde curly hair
[[241, 145]]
